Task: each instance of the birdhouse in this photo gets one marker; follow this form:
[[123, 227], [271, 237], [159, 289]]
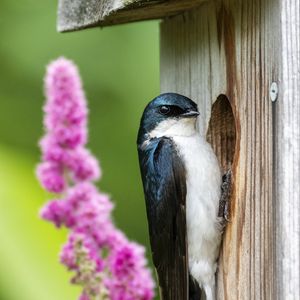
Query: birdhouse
[[240, 61]]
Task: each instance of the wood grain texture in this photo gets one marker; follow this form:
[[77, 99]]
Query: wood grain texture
[[287, 155], [229, 47], [80, 14]]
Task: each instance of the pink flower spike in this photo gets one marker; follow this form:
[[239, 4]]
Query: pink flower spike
[[105, 264], [66, 111], [66, 102]]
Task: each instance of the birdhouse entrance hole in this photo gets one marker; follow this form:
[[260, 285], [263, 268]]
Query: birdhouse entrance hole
[[221, 132]]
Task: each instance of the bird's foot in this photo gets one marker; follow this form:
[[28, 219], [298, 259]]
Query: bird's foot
[[224, 204]]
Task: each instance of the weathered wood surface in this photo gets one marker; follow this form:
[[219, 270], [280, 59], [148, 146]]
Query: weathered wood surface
[[79, 14], [230, 47], [287, 155]]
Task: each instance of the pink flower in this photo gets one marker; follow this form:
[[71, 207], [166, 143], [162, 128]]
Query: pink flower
[[55, 212], [84, 296], [51, 177], [83, 165], [79, 242], [67, 256], [105, 263], [65, 122], [124, 261], [125, 264], [66, 104], [69, 136]]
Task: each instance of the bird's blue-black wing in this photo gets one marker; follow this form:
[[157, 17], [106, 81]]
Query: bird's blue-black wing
[[164, 181]]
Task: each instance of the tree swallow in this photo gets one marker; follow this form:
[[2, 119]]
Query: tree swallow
[[182, 186]]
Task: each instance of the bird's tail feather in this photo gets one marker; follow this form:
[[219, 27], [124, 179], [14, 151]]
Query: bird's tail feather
[[195, 292]]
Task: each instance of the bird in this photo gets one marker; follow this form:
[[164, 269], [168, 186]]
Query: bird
[[182, 187]]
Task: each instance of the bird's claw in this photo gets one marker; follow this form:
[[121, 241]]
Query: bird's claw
[[225, 196]]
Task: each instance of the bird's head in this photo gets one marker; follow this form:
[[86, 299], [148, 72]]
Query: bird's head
[[168, 115]]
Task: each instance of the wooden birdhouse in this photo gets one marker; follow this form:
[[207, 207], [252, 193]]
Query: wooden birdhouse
[[240, 61]]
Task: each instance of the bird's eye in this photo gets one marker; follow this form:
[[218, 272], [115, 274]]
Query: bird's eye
[[164, 110]]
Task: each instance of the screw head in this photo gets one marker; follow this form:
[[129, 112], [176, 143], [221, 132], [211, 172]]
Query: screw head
[[273, 91]]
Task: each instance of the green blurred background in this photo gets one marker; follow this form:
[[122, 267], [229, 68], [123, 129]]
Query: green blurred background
[[119, 68]]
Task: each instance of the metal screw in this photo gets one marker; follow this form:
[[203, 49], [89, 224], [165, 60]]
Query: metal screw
[[273, 91]]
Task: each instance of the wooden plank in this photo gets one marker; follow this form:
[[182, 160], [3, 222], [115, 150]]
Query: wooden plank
[[287, 155], [230, 47], [80, 14]]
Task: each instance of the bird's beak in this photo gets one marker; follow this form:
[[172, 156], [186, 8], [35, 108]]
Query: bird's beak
[[191, 114]]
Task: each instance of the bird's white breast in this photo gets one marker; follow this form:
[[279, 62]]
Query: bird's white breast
[[203, 179]]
